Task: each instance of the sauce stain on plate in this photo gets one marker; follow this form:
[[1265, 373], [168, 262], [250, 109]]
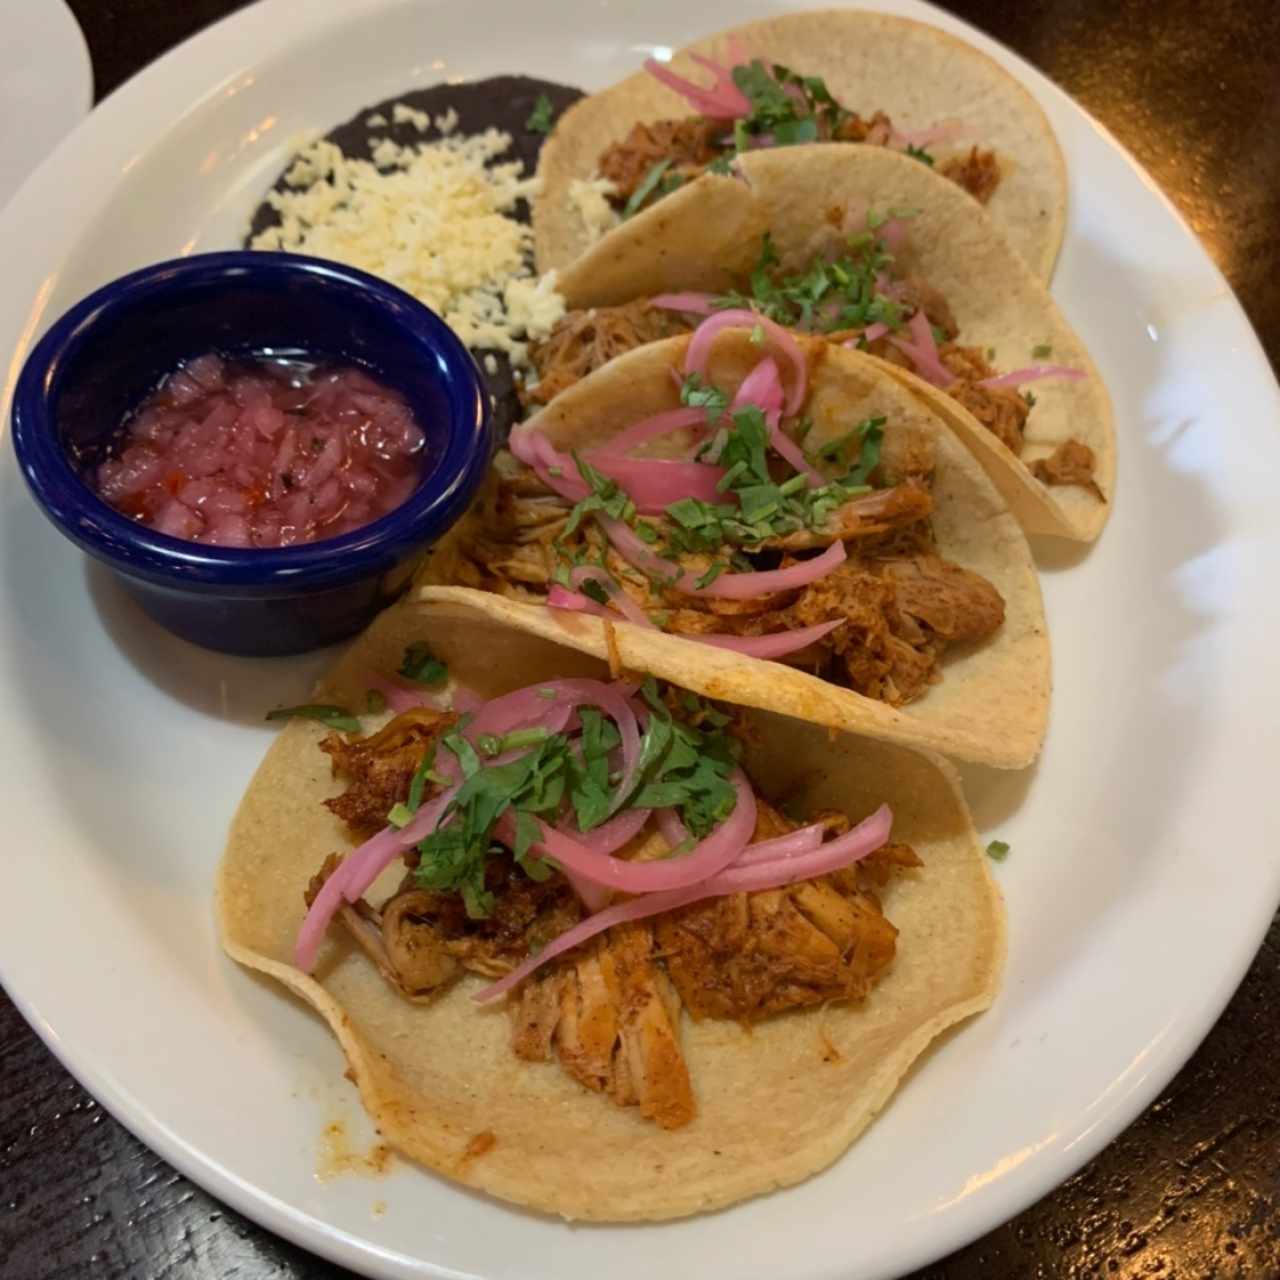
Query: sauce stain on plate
[[337, 1157]]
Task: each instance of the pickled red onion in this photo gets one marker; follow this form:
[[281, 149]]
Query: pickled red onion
[[774, 645], [325, 906], [787, 448], [708, 857], [699, 350], [864, 839], [923, 351], [723, 101], [400, 696], [698, 304], [943, 131], [893, 234], [651, 483], [661, 424], [794, 843], [574, 602], [618, 598], [729, 586], [1032, 373], [762, 387]]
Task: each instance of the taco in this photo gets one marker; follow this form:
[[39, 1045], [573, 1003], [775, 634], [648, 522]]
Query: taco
[[873, 250], [811, 541], [616, 160], [736, 1014]]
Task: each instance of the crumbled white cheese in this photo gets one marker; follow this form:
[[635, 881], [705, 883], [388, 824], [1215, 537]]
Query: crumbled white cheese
[[448, 122], [589, 196], [403, 113], [376, 121], [433, 218], [490, 362]]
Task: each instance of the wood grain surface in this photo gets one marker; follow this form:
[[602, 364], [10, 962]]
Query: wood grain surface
[[1192, 1190]]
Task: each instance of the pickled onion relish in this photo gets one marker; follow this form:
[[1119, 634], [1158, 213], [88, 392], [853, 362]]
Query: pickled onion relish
[[263, 453]]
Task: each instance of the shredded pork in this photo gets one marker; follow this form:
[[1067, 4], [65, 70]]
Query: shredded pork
[[610, 1013]]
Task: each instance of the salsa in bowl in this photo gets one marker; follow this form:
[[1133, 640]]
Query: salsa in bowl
[[259, 445]]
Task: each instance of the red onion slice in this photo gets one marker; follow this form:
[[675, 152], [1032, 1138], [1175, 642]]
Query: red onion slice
[[699, 350], [724, 101], [661, 424], [775, 645], [709, 856], [400, 696], [728, 586], [864, 839], [1033, 373], [692, 303], [651, 483], [923, 351]]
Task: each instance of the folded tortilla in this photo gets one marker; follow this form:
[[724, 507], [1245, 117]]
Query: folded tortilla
[[691, 243], [992, 705], [776, 1103], [919, 75]]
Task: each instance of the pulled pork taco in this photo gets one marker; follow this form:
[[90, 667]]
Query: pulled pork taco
[[620, 164], [874, 251], [570, 929], [796, 532]]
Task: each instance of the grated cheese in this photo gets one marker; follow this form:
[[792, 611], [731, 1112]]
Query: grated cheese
[[434, 219], [402, 113], [589, 197], [376, 121]]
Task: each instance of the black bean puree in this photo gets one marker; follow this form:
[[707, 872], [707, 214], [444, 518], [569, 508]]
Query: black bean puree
[[502, 102]]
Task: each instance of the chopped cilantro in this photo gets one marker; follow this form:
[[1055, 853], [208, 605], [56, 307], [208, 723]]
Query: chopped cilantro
[[334, 717], [422, 666], [648, 185], [594, 589], [998, 850], [703, 395], [722, 165], [375, 701], [1030, 398], [827, 295], [683, 765], [400, 815], [1041, 351], [540, 118], [919, 153], [716, 568]]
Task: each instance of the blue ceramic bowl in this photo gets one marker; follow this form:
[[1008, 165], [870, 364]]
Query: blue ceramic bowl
[[105, 356]]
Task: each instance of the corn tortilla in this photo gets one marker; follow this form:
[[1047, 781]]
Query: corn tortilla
[[776, 1104]]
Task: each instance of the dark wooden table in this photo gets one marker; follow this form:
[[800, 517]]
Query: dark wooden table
[[1193, 1188]]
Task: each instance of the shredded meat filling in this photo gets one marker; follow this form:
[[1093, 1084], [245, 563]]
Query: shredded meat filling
[[1072, 462], [610, 1013], [381, 766], [693, 142], [690, 145], [978, 172], [583, 341]]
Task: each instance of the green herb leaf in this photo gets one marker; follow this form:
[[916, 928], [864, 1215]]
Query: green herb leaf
[[701, 395], [540, 118], [1041, 351], [375, 702], [998, 850], [646, 188], [422, 666], [334, 717], [919, 153]]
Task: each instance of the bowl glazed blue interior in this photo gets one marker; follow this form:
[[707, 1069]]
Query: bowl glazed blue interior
[[105, 355]]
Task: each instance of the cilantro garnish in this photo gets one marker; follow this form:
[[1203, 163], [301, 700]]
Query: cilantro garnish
[[868, 436], [683, 765], [998, 850], [786, 117], [333, 716], [1041, 351], [540, 118], [421, 665], [826, 296], [1030, 398], [648, 185], [375, 701], [697, 394], [919, 153]]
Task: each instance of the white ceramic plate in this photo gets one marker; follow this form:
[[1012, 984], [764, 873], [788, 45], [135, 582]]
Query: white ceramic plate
[[46, 86], [1143, 869]]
